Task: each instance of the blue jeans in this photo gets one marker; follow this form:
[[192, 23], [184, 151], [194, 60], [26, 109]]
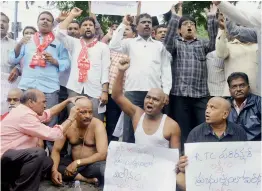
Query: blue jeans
[[112, 115], [137, 98]]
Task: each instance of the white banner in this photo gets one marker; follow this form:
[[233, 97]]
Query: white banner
[[132, 167], [154, 8], [5, 87], [234, 166]]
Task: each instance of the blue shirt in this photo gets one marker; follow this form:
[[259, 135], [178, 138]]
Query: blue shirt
[[44, 79]]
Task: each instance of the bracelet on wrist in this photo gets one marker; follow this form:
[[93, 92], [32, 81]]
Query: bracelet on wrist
[[105, 91], [69, 120]]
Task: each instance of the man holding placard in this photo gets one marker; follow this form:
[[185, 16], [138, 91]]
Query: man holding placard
[[215, 129], [151, 127]]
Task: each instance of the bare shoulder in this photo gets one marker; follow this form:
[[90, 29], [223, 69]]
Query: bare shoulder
[[97, 124], [172, 126]]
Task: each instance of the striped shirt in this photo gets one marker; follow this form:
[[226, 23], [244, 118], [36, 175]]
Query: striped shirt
[[189, 70], [216, 75], [113, 69]]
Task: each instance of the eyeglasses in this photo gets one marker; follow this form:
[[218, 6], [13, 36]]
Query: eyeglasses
[[188, 22], [241, 86], [12, 99]]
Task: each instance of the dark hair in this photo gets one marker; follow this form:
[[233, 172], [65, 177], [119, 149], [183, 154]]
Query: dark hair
[[28, 94], [48, 13], [115, 23], [88, 19], [142, 16], [2, 14], [133, 28], [185, 18], [76, 22], [237, 75], [159, 26], [29, 27]]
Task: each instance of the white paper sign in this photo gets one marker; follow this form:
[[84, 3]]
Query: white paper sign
[[132, 167], [232, 166], [5, 87], [154, 8], [114, 7]]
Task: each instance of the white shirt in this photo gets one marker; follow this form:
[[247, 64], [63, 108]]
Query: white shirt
[[7, 45], [215, 74], [99, 56], [150, 65]]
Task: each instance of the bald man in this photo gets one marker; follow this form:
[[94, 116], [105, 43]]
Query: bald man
[[23, 163], [13, 100], [215, 129], [88, 139], [151, 127]]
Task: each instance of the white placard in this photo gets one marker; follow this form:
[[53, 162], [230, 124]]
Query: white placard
[[154, 8], [114, 7], [133, 167], [231, 166], [5, 87]]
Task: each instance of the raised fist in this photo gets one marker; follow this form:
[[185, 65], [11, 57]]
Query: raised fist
[[124, 64], [76, 12]]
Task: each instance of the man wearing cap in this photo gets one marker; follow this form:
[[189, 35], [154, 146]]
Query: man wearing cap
[[189, 93]]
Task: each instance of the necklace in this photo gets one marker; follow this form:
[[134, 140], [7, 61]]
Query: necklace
[[83, 138]]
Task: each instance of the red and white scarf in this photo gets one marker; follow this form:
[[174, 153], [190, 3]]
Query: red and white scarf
[[38, 58], [83, 60]]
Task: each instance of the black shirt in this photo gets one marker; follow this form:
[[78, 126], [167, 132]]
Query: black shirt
[[204, 133]]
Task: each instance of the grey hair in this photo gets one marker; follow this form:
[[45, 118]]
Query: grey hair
[[27, 95]]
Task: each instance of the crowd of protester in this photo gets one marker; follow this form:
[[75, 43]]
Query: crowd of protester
[[172, 87]]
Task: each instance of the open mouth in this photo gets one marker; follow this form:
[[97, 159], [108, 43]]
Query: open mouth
[[149, 108], [189, 30], [146, 29]]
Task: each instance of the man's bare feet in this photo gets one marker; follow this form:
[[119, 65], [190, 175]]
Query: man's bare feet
[[94, 181]]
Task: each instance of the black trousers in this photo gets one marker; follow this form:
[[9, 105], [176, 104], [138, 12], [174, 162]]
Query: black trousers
[[188, 113], [95, 170], [23, 169], [112, 115]]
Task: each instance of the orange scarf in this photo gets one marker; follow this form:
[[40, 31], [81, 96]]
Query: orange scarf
[[83, 61], [38, 58]]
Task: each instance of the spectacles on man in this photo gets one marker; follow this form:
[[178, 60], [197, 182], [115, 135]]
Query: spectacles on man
[[240, 86], [185, 23]]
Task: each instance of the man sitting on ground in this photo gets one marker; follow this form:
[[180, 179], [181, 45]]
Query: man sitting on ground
[[246, 107], [13, 100], [151, 127], [88, 139], [215, 129], [23, 164]]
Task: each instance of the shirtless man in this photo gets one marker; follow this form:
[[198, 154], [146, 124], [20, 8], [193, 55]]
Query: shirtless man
[[88, 138], [151, 127]]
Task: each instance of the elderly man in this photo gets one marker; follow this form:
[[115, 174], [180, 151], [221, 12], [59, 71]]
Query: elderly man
[[90, 62], [13, 100], [215, 129], [151, 127], [7, 45], [22, 162], [88, 139], [246, 107], [43, 58]]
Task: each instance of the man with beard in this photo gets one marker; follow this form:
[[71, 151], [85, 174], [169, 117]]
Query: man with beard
[[7, 45], [90, 62], [43, 58], [246, 107], [150, 126], [87, 136], [73, 29], [160, 32], [149, 67], [189, 93]]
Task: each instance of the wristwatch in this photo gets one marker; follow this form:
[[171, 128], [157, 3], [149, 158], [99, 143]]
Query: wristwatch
[[78, 162]]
